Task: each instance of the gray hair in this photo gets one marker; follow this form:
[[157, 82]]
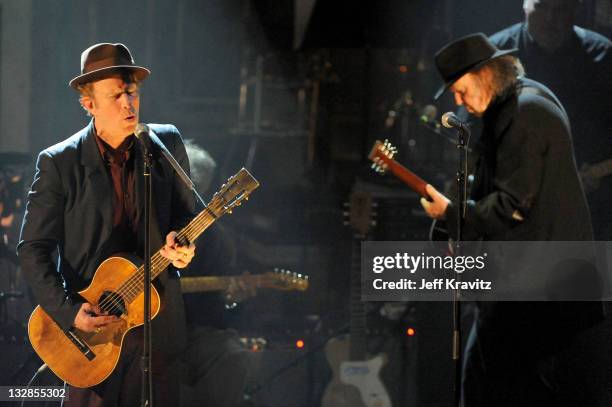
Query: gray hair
[[202, 165]]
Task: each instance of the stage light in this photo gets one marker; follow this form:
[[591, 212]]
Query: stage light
[[410, 332], [299, 344]]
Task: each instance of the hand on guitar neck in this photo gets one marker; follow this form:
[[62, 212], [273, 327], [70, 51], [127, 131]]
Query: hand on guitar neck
[[436, 205], [179, 253], [433, 202]]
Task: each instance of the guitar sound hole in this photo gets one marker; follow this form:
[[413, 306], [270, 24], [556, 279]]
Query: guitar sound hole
[[112, 303]]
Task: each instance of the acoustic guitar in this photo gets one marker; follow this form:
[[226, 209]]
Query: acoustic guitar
[[84, 359]]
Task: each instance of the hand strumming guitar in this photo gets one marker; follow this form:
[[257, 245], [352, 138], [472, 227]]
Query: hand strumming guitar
[[91, 318]]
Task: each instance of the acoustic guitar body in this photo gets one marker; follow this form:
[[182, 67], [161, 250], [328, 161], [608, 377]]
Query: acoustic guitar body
[[84, 359]]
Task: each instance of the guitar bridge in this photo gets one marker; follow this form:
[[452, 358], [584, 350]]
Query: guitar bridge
[[81, 346]]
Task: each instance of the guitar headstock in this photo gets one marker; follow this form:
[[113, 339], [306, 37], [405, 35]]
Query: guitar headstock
[[361, 213], [284, 280], [381, 154], [237, 189]]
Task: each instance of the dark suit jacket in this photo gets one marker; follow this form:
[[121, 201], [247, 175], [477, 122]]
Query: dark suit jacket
[[526, 188], [70, 212], [526, 170]]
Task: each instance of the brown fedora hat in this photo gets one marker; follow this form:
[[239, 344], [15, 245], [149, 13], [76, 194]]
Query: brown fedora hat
[[102, 60], [463, 55]]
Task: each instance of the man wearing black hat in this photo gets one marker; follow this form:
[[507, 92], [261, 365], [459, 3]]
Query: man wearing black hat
[[526, 188], [86, 203]]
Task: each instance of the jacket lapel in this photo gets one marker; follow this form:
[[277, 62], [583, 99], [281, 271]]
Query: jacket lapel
[[97, 177]]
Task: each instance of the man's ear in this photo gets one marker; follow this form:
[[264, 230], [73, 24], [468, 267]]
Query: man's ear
[[87, 103]]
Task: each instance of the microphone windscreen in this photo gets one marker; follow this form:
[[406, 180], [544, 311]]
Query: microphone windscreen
[[140, 129]]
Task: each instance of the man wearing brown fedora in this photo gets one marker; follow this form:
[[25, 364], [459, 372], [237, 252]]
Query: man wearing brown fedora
[[526, 188], [86, 203]]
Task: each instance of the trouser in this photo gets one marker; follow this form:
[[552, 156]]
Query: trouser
[[510, 362], [123, 387]]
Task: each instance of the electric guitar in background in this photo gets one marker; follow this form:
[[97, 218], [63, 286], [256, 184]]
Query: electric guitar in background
[[279, 279], [592, 174], [84, 359], [356, 376]]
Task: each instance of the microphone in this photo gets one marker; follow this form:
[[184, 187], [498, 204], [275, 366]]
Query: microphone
[[142, 134], [398, 108], [450, 120], [428, 114], [142, 131]]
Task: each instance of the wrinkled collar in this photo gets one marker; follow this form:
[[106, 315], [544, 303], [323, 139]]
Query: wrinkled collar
[[116, 156]]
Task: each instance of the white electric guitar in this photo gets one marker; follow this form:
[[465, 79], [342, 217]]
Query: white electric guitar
[[356, 377]]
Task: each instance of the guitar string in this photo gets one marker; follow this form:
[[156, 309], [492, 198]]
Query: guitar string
[[133, 285], [129, 289]]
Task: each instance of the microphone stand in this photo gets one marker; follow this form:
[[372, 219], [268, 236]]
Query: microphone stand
[[463, 136], [146, 394], [143, 135]]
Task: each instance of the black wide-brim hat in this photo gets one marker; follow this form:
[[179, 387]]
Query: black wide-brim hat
[[463, 55], [103, 60]]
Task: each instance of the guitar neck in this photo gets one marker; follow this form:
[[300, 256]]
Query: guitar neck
[[358, 325], [214, 283], [190, 232], [382, 157], [415, 182], [159, 263]]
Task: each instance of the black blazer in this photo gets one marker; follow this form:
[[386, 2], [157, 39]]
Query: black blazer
[[69, 216], [526, 183]]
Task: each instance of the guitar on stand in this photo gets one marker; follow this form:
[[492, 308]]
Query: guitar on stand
[[356, 377], [283, 280]]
